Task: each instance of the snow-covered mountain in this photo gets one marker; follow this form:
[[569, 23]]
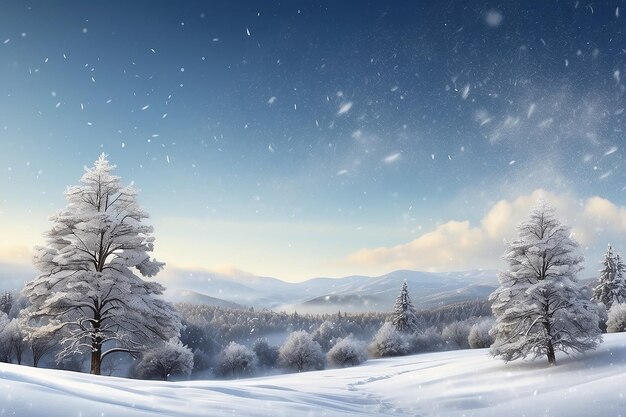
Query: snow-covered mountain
[[457, 383], [318, 295], [353, 293]]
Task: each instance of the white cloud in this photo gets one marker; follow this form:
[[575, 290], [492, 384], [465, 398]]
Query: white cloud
[[459, 245]]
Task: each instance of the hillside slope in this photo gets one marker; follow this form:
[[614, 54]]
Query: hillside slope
[[460, 383]]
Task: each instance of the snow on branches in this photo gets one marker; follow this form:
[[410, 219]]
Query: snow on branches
[[89, 291], [539, 306]]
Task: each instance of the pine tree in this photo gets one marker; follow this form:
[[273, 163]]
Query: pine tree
[[404, 317], [539, 306], [88, 291], [6, 302], [611, 288]]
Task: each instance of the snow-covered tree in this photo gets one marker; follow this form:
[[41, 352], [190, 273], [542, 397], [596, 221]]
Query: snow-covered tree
[[389, 342], [39, 343], [301, 352], [6, 302], [427, 340], [347, 352], [616, 321], [327, 334], [479, 335], [167, 358], [88, 288], [12, 337], [5, 347], [611, 288], [403, 317], [266, 355], [236, 360], [539, 306], [456, 335]]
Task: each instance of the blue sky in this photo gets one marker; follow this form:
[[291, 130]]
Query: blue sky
[[284, 138]]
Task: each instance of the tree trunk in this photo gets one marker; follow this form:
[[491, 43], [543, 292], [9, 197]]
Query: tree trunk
[[96, 358], [551, 355]]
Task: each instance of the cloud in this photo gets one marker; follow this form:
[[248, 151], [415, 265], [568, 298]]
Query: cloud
[[605, 215], [452, 243], [459, 245]]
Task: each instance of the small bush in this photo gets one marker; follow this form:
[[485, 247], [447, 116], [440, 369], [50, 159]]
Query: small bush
[[617, 319], [479, 336], [266, 355], [166, 359], [456, 334], [347, 352], [236, 360], [301, 352], [429, 340], [389, 342]]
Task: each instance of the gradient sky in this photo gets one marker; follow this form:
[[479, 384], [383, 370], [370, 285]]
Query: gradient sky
[[294, 138]]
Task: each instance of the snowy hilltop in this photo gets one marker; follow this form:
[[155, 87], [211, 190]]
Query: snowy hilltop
[[458, 383]]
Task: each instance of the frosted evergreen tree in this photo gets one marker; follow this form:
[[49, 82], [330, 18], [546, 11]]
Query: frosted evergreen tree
[[89, 291], [6, 302], [611, 288], [404, 317], [539, 306]]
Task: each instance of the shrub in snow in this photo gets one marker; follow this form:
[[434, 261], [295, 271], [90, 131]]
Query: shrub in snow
[[429, 340], [301, 352], [267, 355], [201, 360], [539, 306], [479, 336], [327, 334], [12, 337], [165, 359], [388, 342], [404, 317], [347, 352], [236, 360], [456, 334], [617, 319], [90, 286], [5, 348]]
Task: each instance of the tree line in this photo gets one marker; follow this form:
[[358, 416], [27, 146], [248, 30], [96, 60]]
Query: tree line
[[93, 299]]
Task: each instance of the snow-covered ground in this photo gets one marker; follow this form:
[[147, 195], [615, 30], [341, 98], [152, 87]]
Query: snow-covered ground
[[459, 383]]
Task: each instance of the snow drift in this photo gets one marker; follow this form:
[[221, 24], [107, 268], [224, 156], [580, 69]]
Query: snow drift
[[458, 383]]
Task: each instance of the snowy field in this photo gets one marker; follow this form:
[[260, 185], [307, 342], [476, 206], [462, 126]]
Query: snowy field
[[459, 383]]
